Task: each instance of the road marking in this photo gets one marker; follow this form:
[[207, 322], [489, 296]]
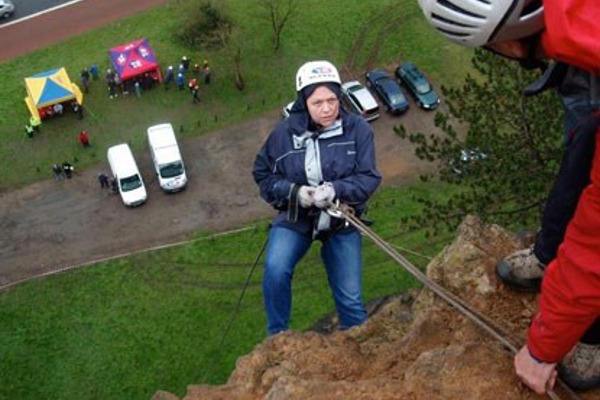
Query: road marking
[[70, 3]]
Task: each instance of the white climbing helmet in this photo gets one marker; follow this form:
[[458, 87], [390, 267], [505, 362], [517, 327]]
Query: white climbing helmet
[[316, 72], [475, 23]]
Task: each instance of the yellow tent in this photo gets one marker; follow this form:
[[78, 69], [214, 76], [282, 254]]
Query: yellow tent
[[48, 88]]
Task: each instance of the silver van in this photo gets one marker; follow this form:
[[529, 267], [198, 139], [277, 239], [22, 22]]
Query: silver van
[[166, 157], [126, 173]]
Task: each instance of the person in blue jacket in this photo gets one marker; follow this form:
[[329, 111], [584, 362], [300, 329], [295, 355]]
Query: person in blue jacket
[[318, 155]]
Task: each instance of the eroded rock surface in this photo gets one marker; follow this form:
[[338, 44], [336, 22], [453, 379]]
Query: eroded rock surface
[[415, 346]]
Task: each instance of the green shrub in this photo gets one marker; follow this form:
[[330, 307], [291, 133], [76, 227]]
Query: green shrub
[[207, 27]]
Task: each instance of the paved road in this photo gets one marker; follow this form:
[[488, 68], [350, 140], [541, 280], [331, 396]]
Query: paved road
[[24, 37], [29, 8]]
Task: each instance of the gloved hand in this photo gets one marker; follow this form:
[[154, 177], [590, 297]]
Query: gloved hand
[[306, 196], [324, 195]]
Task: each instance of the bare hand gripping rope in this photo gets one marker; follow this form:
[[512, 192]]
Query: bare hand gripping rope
[[347, 213]]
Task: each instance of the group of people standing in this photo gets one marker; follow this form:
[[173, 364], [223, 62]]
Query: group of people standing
[[186, 75], [66, 169], [33, 126], [108, 182], [192, 74], [87, 74], [116, 86], [62, 171]]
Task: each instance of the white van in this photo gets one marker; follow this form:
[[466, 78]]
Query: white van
[[128, 177], [166, 158]]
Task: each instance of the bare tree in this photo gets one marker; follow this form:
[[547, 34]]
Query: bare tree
[[278, 13], [238, 78]]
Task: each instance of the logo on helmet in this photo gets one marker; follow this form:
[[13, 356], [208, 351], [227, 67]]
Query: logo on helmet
[[323, 72]]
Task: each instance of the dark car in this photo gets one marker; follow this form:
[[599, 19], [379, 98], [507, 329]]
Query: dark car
[[388, 90], [418, 86]]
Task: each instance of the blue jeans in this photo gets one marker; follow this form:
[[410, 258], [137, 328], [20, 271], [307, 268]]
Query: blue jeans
[[342, 254]]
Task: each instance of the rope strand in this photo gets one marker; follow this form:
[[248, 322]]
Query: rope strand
[[342, 211]]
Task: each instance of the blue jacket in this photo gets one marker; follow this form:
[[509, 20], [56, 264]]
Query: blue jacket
[[346, 156]]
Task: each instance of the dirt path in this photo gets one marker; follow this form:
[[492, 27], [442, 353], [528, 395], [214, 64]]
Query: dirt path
[[52, 225]]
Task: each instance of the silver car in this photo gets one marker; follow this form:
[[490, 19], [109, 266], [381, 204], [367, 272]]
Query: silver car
[[7, 8], [358, 99]]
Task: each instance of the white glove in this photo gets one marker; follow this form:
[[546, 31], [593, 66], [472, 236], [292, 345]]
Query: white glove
[[306, 196], [324, 195]]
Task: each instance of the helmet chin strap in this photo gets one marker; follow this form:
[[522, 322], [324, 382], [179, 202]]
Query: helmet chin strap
[[532, 59]]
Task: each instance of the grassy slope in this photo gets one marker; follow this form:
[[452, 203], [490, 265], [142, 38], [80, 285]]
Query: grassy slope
[[127, 328]]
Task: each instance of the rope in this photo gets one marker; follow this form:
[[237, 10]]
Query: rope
[[342, 211], [236, 310]]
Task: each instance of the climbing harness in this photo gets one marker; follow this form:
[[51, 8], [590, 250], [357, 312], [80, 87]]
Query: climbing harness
[[345, 212]]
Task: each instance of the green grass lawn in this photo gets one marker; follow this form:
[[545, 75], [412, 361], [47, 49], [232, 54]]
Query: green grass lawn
[[127, 328]]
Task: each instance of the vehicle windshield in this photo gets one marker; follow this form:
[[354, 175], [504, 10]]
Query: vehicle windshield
[[171, 170], [423, 87], [354, 88], [397, 98], [130, 183]]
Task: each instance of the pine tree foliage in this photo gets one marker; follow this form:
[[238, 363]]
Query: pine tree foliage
[[513, 148]]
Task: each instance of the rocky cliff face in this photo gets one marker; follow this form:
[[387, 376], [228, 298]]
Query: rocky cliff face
[[414, 347]]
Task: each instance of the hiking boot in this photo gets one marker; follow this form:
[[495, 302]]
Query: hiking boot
[[521, 270], [580, 369]]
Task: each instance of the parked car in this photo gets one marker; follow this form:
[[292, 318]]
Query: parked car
[[388, 90], [418, 85], [166, 158], [127, 175], [359, 100], [7, 8]]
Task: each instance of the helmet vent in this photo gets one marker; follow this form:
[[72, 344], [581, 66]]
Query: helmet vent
[[455, 34], [454, 7], [439, 18]]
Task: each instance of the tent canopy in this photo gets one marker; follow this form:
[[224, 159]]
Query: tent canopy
[[133, 59], [50, 87]]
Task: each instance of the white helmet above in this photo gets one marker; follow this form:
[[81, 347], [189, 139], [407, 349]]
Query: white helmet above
[[476, 23], [316, 72]]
